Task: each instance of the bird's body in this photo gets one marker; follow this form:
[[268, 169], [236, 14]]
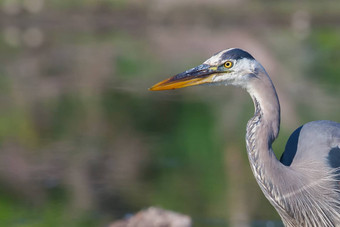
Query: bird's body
[[311, 196], [304, 186]]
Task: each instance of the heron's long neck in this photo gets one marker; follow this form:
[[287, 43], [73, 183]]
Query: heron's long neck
[[262, 130]]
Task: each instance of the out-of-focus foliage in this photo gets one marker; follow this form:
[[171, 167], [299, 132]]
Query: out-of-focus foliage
[[325, 67]]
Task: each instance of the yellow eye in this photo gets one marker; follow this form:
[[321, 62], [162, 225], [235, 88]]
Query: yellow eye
[[228, 64]]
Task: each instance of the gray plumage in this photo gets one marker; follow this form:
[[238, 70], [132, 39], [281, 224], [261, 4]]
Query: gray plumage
[[304, 185]]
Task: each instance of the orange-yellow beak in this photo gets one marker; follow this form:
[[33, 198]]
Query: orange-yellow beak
[[199, 75]]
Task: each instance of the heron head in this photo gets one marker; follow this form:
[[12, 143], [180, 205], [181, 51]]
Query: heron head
[[229, 67]]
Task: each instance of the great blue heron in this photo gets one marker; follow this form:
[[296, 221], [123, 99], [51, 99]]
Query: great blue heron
[[304, 186]]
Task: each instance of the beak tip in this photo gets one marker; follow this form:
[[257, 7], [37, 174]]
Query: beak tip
[[195, 76], [159, 86], [153, 88]]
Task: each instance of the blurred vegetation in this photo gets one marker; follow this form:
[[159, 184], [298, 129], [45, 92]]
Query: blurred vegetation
[[325, 67], [84, 143]]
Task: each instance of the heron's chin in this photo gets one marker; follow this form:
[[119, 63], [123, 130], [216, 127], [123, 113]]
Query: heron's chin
[[171, 83]]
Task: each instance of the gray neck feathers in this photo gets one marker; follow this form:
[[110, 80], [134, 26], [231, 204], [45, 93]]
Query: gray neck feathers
[[276, 180], [262, 130], [263, 162]]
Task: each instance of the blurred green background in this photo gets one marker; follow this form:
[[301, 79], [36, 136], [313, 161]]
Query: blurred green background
[[82, 140]]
